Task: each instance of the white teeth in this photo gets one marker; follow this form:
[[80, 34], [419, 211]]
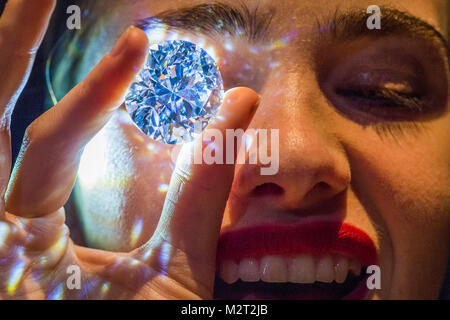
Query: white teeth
[[249, 270], [341, 269], [302, 269], [229, 271], [325, 270], [273, 269], [296, 269], [355, 267]]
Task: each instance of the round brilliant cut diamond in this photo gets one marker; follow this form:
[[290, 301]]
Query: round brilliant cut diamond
[[178, 90]]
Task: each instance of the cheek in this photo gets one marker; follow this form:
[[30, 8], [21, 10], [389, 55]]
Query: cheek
[[123, 179], [404, 183]]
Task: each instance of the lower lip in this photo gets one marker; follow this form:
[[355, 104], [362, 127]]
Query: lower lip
[[288, 291]]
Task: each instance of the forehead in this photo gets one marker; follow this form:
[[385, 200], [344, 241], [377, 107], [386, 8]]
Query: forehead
[[304, 14]]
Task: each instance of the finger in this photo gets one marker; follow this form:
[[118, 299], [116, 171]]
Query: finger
[[197, 195], [22, 27], [45, 171]]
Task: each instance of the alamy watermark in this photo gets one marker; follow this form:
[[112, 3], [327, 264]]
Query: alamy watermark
[[374, 21], [74, 20], [73, 282], [374, 280], [253, 146]]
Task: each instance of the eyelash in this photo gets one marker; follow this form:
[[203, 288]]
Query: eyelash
[[382, 102], [383, 97], [396, 130]]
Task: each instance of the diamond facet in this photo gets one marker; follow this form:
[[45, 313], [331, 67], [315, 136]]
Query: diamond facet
[[178, 88]]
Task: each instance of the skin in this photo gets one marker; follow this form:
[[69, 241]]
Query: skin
[[395, 184]]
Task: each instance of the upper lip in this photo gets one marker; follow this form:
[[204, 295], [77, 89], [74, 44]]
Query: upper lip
[[315, 238]]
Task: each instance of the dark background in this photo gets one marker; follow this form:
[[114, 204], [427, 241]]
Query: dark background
[[34, 100]]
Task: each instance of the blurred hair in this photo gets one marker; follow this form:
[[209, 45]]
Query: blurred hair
[[77, 51]]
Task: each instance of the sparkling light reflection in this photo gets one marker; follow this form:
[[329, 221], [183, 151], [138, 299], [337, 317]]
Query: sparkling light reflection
[[57, 293], [15, 276], [137, 231], [4, 231], [164, 257], [163, 188], [105, 288]]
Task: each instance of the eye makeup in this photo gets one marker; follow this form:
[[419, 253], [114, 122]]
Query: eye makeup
[[384, 81], [385, 93]]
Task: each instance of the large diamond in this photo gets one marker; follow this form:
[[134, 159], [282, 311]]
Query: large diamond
[[178, 91]]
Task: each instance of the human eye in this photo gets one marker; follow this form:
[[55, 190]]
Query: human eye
[[387, 94], [386, 84]]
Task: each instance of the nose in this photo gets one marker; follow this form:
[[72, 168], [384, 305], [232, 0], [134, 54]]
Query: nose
[[313, 166]]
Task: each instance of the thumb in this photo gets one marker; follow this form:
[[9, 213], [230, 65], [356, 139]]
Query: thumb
[[185, 240]]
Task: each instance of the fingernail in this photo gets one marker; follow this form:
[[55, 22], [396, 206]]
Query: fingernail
[[255, 107], [121, 43]]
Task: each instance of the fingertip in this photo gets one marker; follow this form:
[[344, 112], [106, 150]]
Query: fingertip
[[137, 42], [238, 107], [138, 37], [132, 41], [242, 95], [48, 4], [107, 83]]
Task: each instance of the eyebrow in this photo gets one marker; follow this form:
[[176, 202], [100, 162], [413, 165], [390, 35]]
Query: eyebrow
[[214, 18], [218, 18], [353, 24]]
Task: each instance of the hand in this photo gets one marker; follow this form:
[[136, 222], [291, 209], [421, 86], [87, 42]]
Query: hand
[[178, 262]]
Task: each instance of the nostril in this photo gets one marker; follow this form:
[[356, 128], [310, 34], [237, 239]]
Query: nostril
[[321, 187], [318, 189], [267, 189]]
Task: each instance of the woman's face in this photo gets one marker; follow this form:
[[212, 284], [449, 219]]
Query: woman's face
[[364, 130]]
